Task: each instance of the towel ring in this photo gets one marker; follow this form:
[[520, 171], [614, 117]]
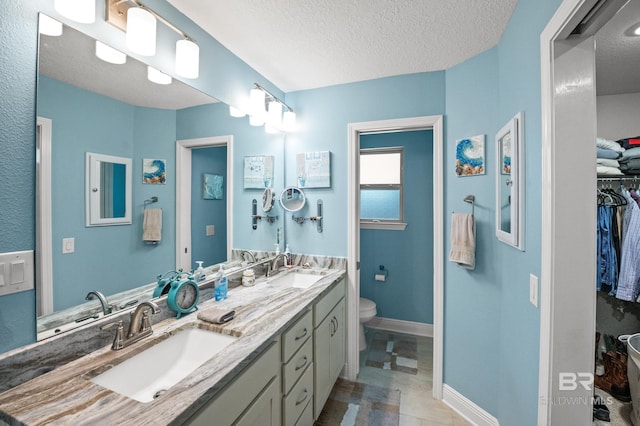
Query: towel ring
[[471, 199]]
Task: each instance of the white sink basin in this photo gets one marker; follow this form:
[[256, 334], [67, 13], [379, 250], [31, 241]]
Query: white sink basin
[[146, 375], [296, 279]]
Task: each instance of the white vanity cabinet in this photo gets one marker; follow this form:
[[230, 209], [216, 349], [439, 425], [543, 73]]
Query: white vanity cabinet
[[328, 343], [253, 398], [297, 370]]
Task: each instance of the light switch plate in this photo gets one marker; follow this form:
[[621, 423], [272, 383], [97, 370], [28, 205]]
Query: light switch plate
[[17, 272], [211, 230], [68, 245], [533, 290]]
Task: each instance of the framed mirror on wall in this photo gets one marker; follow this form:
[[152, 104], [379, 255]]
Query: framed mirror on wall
[[510, 183]]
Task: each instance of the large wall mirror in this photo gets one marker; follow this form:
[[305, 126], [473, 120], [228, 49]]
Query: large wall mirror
[[86, 105], [510, 183]]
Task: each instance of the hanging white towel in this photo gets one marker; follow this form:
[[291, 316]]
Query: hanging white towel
[[152, 225], [463, 240]]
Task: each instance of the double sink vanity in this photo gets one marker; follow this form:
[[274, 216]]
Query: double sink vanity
[[274, 363]]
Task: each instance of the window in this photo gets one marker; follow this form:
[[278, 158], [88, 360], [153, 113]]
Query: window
[[381, 188]]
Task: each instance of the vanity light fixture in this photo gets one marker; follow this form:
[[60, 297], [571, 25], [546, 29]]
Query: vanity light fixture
[[109, 54], [271, 116], [158, 77], [637, 30], [140, 24], [82, 11], [49, 26], [236, 112], [141, 31]]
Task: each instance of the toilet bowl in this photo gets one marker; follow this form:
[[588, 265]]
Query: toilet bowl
[[367, 313], [633, 374]]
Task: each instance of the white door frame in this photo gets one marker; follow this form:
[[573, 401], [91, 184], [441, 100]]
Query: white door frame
[[44, 234], [562, 284], [183, 194], [433, 123]]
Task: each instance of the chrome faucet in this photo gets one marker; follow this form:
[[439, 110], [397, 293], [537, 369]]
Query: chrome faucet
[[252, 257], [106, 307], [274, 265], [139, 327]]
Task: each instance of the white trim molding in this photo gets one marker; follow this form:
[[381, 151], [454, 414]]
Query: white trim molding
[[44, 234], [434, 123], [183, 194], [466, 408], [400, 326]]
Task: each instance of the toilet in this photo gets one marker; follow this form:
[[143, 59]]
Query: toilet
[[367, 313]]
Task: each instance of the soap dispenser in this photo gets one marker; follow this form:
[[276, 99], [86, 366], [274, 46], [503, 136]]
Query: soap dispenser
[[199, 272], [287, 257]]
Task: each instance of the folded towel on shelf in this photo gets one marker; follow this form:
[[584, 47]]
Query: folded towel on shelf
[[608, 153], [463, 240], [630, 154], [216, 315], [152, 225], [630, 164], [607, 162], [608, 171], [609, 144]]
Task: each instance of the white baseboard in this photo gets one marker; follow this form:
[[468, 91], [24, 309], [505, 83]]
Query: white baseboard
[[399, 326], [466, 408]]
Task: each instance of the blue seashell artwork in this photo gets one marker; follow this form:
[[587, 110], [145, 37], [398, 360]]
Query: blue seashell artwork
[[470, 156]]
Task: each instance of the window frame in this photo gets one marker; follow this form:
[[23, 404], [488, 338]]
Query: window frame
[[384, 224]]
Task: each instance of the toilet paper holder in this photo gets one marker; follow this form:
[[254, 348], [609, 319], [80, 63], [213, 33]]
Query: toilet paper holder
[[382, 274]]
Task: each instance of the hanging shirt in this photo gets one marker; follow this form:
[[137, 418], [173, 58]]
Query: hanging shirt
[[630, 267], [607, 257]]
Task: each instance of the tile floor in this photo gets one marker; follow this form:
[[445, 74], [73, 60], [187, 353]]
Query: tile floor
[[417, 406]]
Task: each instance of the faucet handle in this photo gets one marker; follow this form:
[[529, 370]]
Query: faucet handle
[[119, 338]]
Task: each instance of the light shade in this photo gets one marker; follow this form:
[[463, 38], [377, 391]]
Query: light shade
[[256, 120], [141, 31], [289, 121], [236, 112], [109, 54], [256, 103], [158, 77], [49, 26], [187, 59], [274, 117], [83, 11]]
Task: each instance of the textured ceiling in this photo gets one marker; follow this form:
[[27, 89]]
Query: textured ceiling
[[71, 58], [618, 53], [301, 45]]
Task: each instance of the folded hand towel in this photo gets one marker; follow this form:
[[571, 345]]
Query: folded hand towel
[[609, 144], [216, 315], [463, 240], [607, 162], [152, 225], [605, 170]]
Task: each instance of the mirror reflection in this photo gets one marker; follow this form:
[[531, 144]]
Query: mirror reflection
[[87, 105], [108, 193], [292, 199]]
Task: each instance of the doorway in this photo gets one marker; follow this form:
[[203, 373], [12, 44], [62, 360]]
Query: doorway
[[183, 195], [433, 123], [567, 313]]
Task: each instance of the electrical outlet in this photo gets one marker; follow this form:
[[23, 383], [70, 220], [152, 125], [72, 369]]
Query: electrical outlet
[[533, 290]]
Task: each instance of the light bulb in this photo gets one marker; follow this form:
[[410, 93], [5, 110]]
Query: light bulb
[[187, 59], [141, 31], [82, 11], [49, 26], [158, 77], [109, 54]]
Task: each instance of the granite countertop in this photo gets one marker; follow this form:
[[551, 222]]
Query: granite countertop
[[67, 396]]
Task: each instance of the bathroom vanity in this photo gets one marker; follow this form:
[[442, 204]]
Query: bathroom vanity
[[289, 349]]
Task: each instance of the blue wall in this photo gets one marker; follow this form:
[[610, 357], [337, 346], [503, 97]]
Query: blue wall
[[324, 115], [84, 122], [209, 249], [407, 294]]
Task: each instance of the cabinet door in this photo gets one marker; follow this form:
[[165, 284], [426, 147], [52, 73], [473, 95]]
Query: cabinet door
[[337, 341], [322, 364], [265, 410]]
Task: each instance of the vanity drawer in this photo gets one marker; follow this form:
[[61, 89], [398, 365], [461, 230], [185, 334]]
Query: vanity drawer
[[306, 419], [292, 370], [295, 403], [326, 304], [296, 335]]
